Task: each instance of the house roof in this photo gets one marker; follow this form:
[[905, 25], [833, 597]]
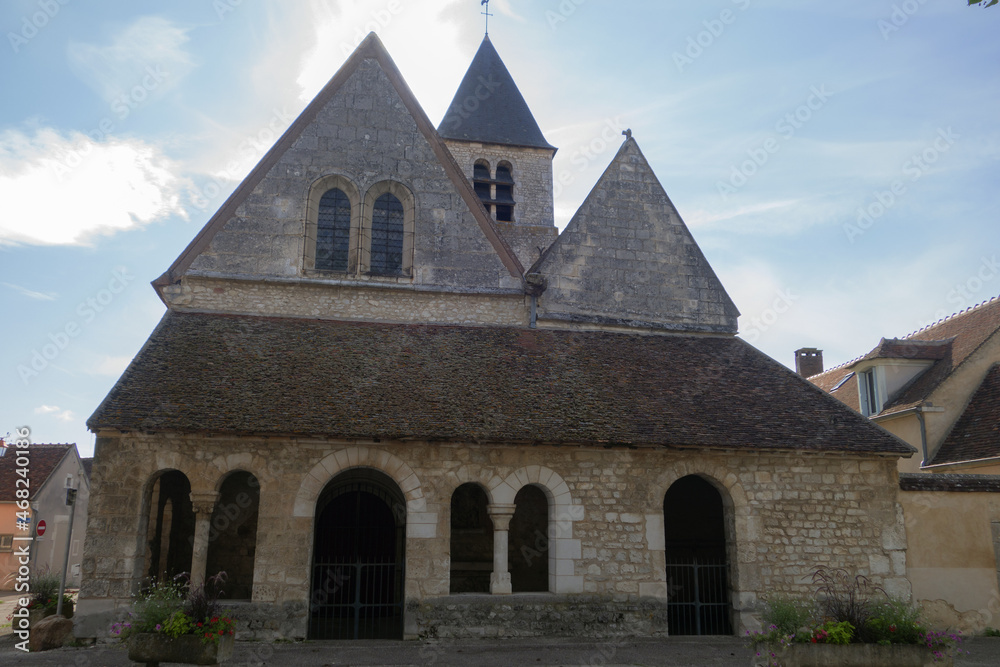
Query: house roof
[[976, 434], [627, 258], [42, 461], [921, 481], [488, 106], [370, 48], [205, 373], [948, 342]]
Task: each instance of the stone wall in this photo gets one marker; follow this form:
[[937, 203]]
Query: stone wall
[[365, 135], [532, 173], [785, 514], [346, 301]]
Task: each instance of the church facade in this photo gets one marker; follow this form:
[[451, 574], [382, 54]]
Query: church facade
[[389, 399]]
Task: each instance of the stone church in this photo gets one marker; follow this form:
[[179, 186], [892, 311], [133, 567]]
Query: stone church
[[390, 399]]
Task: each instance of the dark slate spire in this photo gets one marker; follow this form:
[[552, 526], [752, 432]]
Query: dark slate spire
[[489, 108]]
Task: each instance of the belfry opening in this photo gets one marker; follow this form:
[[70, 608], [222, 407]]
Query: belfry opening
[[358, 558]]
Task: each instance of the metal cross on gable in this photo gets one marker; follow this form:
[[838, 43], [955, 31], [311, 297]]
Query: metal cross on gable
[[487, 14]]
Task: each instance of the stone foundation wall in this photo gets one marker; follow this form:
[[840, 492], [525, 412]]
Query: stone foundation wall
[[785, 514]]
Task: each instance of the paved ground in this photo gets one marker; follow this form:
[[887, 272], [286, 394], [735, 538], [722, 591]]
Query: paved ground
[[689, 652]]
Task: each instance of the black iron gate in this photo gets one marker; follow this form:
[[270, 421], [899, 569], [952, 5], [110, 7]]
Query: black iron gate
[[357, 574], [698, 595], [357, 600]]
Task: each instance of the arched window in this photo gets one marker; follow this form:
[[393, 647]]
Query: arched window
[[333, 231], [170, 528], [471, 540], [232, 540], [482, 183], [528, 550], [387, 236], [505, 193]]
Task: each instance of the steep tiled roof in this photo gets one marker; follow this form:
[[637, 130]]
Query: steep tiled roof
[[953, 338], [231, 374], [489, 108], [976, 434], [42, 460], [921, 481]]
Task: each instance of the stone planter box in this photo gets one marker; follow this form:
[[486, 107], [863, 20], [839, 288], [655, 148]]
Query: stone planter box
[[853, 655], [152, 648]]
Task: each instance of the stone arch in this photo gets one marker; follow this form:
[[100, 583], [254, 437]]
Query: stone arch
[[468, 474], [166, 529], [232, 538], [359, 457], [317, 189], [406, 198], [563, 549]]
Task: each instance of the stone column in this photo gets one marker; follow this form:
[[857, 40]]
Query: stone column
[[500, 579], [203, 505]]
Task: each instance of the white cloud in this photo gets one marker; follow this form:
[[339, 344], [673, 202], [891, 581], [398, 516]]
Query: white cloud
[[61, 190], [56, 411], [46, 409], [31, 294], [150, 44], [66, 416]]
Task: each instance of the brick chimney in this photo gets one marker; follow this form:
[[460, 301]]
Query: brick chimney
[[808, 361]]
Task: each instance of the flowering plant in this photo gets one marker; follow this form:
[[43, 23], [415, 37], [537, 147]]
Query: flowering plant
[[173, 608]]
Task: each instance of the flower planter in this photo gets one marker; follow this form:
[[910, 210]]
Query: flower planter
[[852, 655], [152, 648]]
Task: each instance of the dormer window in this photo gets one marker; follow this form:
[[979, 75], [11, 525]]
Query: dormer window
[[871, 398]]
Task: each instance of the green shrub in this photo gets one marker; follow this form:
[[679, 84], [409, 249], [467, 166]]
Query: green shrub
[[787, 615], [893, 621]]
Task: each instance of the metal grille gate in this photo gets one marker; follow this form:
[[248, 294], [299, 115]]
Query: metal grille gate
[[357, 574], [698, 595]]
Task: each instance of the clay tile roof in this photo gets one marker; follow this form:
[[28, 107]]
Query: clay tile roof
[[953, 339], [241, 375], [488, 106], [42, 460], [976, 434]]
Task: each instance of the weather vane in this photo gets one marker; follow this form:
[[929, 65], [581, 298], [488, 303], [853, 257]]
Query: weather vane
[[487, 14]]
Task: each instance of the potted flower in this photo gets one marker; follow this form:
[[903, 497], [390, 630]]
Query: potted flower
[[171, 622], [850, 622]]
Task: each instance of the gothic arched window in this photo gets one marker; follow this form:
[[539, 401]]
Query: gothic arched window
[[333, 231], [387, 236]]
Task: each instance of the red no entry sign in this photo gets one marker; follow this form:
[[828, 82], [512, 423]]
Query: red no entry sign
[[41, 528]]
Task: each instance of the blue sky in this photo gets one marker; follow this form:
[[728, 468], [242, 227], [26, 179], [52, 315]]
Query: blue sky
[[835, 161]]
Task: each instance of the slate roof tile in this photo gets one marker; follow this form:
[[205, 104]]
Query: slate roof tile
[[42, 460]]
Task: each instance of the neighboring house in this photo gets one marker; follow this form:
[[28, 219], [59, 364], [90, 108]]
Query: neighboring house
[[939, 390], [390, 400], [51, 469]]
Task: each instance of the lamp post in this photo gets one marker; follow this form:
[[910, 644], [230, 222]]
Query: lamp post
[[71, 501]]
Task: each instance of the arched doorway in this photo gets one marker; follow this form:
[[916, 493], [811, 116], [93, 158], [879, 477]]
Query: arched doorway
[[358, 557], [471, 540], [699, 601], [528, 549], [232, 539], [169, 526]]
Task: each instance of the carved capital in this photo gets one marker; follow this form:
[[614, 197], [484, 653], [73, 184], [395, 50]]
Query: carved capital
[[203, 503], [501, 515]]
